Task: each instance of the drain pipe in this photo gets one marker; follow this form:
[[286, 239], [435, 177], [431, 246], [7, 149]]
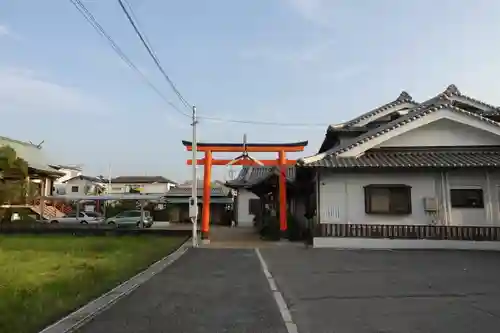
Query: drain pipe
[[444, 197]]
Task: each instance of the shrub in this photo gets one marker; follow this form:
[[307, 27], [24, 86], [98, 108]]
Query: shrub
[[270, 229], [294, 229]]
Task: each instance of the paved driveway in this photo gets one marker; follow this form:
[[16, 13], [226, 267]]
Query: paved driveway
[[335, 291], [205, 291]]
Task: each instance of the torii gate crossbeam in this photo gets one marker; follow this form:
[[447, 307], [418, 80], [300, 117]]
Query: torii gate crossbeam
[[208, 161]]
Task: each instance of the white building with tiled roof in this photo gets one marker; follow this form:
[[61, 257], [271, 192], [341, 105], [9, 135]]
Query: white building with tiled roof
[[435, 163], [143, 184], [221, 199], [402, 170]]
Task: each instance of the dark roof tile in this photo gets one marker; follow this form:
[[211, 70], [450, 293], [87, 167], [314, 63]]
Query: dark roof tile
[[141, 180], [89, 178], [410, 117], [254, 175], [403, 98], [465, 157], [452, 90]]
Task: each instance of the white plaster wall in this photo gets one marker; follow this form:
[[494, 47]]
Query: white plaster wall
[[48, 186], [68, 174], [115, 188], [494, 188], [81, 183], [443, 132], [342, 198], [147, 188], [155, 188], [243, 199]]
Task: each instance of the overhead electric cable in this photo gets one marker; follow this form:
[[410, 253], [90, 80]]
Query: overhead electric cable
[[150, 50], [89, 17], [257, 122], [133, 20]]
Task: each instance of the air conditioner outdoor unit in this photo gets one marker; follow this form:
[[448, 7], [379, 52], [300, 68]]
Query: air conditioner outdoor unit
[[430, 204]]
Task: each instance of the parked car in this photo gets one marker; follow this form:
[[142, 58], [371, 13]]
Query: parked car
[[82, 218], [131, 217]]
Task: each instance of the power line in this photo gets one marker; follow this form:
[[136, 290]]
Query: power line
[[264, 123], [150, 50], [132, 18], [89, 17]]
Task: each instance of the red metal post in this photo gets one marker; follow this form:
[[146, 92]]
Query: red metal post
[[207, 174], [282, 181]]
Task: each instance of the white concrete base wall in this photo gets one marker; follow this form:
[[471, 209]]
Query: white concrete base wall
[[401, 244]]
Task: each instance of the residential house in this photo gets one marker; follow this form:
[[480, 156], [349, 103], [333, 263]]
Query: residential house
[[83, 185], [42, 173], [142, 184], [405, 163], [68, 171], [221, 201], [42, 170]]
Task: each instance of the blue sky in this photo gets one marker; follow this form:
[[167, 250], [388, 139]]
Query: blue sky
[[271, 60]]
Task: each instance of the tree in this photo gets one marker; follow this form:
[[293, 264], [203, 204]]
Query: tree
[[98, 189], [134, 189], [13, 174], [12, 166]]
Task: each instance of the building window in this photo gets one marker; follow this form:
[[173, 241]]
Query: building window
[[74, 189], [388, 199], [467, 198], [253, 206]]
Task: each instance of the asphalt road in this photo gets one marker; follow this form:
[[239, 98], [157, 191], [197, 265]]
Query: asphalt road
[[206, 290], [336, 291], [330, 291]]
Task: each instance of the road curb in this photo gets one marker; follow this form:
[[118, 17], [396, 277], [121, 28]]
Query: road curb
[[80, 317]]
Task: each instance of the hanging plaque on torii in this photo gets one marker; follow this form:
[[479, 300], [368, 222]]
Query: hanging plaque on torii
[[245, 159]]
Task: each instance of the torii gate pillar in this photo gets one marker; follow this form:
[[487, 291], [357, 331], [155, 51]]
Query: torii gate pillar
[[282, 162]]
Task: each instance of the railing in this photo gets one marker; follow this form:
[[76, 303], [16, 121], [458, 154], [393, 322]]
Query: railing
[[49, 207], [469, 233]]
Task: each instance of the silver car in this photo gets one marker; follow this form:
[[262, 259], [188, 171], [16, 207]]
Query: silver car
[[131, 218], [81, 217]]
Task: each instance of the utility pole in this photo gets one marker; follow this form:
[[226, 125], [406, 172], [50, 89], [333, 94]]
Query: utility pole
[[193, 202], [108, 190]]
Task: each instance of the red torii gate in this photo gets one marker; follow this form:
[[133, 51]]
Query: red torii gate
[[244, 159]]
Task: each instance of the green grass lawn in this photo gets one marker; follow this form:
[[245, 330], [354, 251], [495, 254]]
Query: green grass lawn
[[44, 277]]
